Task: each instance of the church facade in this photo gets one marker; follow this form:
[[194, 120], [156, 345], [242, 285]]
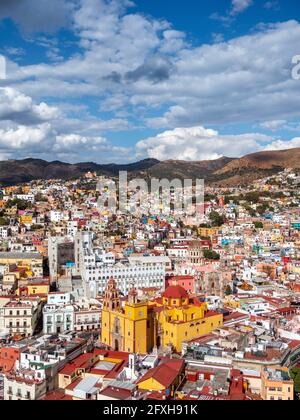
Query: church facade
[[166, 322]]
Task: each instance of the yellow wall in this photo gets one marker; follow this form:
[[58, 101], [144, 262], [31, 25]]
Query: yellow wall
[[277, 389], [178, 324], [176, 334], [205, 232], [133, 328], [26, 220], [36, 289], [151, 385], [21, 262], [64, 380], [232, 302]]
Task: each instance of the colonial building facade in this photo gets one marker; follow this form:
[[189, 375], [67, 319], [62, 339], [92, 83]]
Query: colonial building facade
[[162, 323]]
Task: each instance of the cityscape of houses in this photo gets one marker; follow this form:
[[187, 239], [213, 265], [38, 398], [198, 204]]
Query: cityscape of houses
[[97, 305]]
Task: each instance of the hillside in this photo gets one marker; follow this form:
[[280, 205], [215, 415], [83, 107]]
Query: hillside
[[220, 172], [265, 160]]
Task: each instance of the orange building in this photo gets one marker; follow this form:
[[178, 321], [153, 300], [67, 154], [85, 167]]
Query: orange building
[[8, 357], [277, 384]]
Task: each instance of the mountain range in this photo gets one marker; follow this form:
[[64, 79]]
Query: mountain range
[[224, 172]]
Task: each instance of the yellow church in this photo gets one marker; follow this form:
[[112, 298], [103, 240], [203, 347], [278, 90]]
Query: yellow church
[[166, 322]]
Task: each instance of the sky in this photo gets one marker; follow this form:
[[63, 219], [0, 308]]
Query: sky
[[120, 80]]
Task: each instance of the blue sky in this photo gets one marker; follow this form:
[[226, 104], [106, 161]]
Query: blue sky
[[122, 80]]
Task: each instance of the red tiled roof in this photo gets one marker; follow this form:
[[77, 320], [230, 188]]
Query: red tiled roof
[[165, 374], [120, 394], [57, 396], [286, 310], [175, 292], [81, 361], [74, 384]]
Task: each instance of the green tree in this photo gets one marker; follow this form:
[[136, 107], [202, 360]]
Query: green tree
[[40, 198], [3, 221], [216, 219], [20, 204], [295, 375], [211, 255], [258, 225], [228, 290]]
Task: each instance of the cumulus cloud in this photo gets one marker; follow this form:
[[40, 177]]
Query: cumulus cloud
[[141, 71], [199, 143], [69, 142], [284, 145], [19, 141], [37, 16], [155, 70], [245, 79], [20, 108], [23, 138]]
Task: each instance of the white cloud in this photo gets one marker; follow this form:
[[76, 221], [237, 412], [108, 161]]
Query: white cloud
[[69, 142], [236, 7], [142, 71], [25, 138], [243, 80], [18, 107], [239, 6], [273, 125], [284, 145], [199, 143], [37, 16], [19, 141], [272, 5]]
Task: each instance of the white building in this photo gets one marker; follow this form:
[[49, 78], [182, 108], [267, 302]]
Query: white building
[[87, 319], [178, 251], [21, 317], [143, 272], [24, 386], [5, 232], [25, 197], [58, 314], [56, 216]]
